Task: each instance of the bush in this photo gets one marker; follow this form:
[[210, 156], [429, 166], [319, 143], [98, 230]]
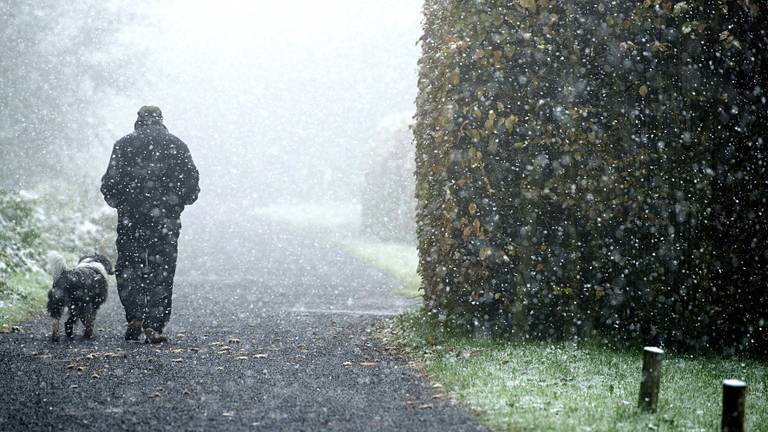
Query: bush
[[20, 242], [595, 167], [31, 224]]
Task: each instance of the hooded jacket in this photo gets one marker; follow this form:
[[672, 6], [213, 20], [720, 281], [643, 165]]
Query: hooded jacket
[[150, 172]]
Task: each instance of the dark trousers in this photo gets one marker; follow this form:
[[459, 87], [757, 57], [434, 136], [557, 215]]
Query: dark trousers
[[146, 263]]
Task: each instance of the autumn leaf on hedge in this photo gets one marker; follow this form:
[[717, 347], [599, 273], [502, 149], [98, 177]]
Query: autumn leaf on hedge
[[474, 134], [490, 122], [466, 233], [472, 208], [485, 252], [511, 122], [643, 90], [680, 8], [529, 5]]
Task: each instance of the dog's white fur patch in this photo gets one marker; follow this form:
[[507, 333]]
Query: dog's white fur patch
[[90, 263]]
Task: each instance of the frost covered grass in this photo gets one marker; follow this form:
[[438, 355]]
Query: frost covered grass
[[32, 223], [527, 385], [340, 223], [22, 295], [397, 259]]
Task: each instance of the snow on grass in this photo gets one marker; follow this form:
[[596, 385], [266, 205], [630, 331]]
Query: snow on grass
[[23, 295], [397, 259], [527, 385], [340, 223]]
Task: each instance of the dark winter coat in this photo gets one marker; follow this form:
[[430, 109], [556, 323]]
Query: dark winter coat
[[151, 172]]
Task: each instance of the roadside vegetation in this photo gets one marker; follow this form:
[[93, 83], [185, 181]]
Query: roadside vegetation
[[31, 224], [394, 258], [519, 384]]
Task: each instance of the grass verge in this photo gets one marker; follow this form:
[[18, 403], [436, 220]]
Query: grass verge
[[397, 259], [537, 386], [22, 295]]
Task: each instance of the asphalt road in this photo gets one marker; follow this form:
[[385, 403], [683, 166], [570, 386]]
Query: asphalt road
[[271, 330]]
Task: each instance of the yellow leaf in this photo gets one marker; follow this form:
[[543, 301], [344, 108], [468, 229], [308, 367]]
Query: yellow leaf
[[511, 122], [491, 120], [643, 90], [485, 252], [529, 5], [472, 208]]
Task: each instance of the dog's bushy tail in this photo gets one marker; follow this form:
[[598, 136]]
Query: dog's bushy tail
[[56, 264]]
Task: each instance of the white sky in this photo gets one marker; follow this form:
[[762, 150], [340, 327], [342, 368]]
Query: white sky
[[284, 97]]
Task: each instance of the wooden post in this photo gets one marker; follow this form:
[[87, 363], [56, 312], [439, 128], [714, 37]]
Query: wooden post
[[734, 401], [649, 385]]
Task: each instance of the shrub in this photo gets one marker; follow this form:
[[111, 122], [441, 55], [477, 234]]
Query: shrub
[[586, 166]]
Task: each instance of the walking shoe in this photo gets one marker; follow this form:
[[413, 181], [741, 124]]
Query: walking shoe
[[133, 331], [154, 336]]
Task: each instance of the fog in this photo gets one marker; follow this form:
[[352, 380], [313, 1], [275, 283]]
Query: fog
[[280, 103]]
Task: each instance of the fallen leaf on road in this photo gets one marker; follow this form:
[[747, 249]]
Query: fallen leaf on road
[[228, 413], [241, 358], [74, 386], [154, 395], [425, 406], [439, 396], [217, 343], [177, 350], [220, 369], [369, 364], [176, 360], [95, 376], [347, 364], [260, 356], [80, 368], [437, 386], [233, 340], [186, 392], [71, 366], [194, 349]]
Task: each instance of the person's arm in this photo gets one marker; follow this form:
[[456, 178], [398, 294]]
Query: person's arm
[[188, 180], [111, 186]]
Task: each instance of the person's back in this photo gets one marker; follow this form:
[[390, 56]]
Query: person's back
[[151, 170], [150, 178]]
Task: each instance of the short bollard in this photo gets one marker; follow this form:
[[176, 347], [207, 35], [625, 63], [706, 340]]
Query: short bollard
[[734, 401], [649, 386]]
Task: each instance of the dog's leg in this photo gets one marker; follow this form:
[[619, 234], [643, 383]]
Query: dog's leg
[[69, 325], [55, 330], [88, 322], [88, 315]]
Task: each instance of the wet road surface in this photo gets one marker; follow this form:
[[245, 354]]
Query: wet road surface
[[271, 330]]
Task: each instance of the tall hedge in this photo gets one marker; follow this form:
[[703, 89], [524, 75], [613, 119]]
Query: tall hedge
[[596, 167]]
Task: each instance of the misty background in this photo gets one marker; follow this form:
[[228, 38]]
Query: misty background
[[280, 103]]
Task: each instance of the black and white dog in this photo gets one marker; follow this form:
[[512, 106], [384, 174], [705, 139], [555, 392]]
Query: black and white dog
[[82, 290]]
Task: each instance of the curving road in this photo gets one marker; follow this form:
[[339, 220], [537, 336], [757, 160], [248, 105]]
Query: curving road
[[271, 330]]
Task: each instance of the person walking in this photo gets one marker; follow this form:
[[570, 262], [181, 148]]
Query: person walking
[[150, 179]]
